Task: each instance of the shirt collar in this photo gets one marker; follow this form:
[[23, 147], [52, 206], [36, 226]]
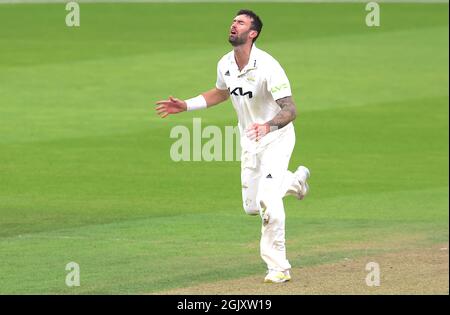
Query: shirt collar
[[252, 61]]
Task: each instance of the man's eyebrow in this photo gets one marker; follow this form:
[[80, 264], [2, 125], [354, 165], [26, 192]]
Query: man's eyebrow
[[238, 20]]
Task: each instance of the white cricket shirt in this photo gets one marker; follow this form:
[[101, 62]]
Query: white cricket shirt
[[253, 92]]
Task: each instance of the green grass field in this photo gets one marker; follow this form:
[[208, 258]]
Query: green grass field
[[85, 170]]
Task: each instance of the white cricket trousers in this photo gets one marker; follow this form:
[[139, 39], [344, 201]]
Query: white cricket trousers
[[265, 180]]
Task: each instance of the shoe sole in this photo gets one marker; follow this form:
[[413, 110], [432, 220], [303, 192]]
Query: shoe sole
[[286, 279], [301, 196], [271, 281]]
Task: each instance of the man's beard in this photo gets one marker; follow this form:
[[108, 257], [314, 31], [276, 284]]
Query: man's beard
[[238, 40]]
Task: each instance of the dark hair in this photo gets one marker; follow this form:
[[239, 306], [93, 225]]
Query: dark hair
[[256, 21]]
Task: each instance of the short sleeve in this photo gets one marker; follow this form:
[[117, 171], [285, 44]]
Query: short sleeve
[[277, 82], [220, 82]]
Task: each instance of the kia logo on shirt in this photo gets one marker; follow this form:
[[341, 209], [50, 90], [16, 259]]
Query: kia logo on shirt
[[239, 92]]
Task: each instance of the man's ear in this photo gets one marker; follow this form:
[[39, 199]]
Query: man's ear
[[253, 34]]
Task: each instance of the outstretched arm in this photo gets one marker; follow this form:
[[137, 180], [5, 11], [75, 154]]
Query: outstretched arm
[[287, 114], [215, 96], [175, 105]]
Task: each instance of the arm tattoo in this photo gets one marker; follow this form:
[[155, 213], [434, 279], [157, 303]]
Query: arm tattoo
[[287, 113]]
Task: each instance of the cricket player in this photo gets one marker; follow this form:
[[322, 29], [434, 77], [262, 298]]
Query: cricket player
[[261, 95]]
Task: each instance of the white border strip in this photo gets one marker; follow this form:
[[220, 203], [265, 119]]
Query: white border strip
[[220, 1]]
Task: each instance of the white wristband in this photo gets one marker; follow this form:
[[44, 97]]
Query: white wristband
[[197, 102]]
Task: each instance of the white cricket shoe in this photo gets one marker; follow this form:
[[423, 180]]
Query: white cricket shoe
[[277, 276], [302, 174]]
